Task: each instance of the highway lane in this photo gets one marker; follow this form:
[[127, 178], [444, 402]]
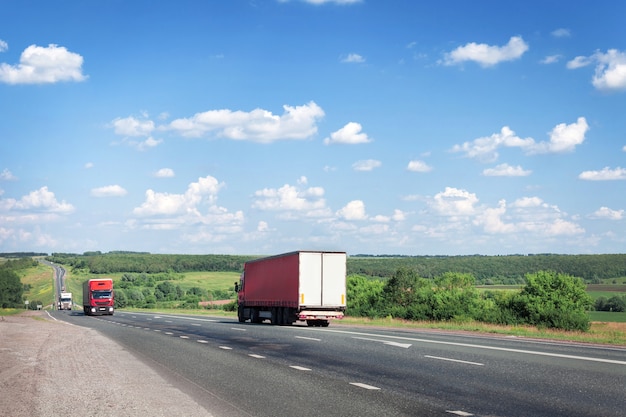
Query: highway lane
[[261, 370]]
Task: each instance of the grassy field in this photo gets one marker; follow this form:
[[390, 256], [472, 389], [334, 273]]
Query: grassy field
[[41, 281]]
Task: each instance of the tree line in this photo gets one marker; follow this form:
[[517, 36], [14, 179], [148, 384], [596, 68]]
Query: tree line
[[508, 270]]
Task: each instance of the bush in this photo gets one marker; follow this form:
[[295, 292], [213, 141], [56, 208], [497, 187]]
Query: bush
[[553, 300]]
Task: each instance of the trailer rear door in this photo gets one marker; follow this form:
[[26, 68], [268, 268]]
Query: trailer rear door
[[322, 279]]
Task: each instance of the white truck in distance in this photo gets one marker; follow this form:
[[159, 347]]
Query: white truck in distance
[[65, 301]]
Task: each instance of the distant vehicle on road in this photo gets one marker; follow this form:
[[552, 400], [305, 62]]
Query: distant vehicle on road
[[65, 301]]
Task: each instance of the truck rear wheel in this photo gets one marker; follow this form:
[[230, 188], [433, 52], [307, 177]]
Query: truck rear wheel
[[254, 316]]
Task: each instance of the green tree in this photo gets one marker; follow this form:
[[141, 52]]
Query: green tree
[[362, 295], [11, 289], [553, 300]]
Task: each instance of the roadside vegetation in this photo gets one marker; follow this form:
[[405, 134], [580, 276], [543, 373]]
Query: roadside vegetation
[[517, 297]]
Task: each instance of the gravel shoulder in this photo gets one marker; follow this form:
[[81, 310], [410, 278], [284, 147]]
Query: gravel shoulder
[[49, 367]]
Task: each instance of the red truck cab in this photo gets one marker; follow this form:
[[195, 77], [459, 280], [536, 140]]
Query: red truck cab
[[98, 297]]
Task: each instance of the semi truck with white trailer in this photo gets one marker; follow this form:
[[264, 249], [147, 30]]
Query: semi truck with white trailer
[[65, 301], [296, 286]]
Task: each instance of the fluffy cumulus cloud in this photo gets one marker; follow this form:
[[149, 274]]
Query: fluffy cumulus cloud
[[454, 202], [38, 201], [293, 201], [487, 55], [607, 213], [610, 70], [132, 126], [195, 208], [41, 65], [463, 220], [165, 173], [354, 210], [605, 174], [506, 170], [350, 134], [486, 148], [20, 219], [418, 166], [258, 125], [563, 138]]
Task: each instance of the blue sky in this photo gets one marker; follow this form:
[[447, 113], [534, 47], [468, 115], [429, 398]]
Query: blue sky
[[261, 127]]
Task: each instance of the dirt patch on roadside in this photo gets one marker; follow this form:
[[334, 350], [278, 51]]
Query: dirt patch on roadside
[[49, 367]]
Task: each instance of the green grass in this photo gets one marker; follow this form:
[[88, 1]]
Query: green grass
[[607, 316], [41, 280]]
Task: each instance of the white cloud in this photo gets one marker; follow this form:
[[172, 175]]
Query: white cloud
[[6, 175], [194, 213], [131, 126], [146, 144], [39, 65], [205, 190], [259, 125], [579, 62], [109, 191], [607, 213], [528, 215], [88, 165], [605, 174], [353, 59], [561, 33], [3, 46], [487, 55], [485, 148], [418, 166], [164, 173], [610, 71], [454, 202], [298, 200], [350, 134], [398, 215], [551, 59], [262, 227], [506, 170], [354, 210], [41, 200], [366, 165], [563, 138]]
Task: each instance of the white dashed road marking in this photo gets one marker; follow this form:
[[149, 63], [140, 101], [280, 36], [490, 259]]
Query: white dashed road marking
[[361, 385]]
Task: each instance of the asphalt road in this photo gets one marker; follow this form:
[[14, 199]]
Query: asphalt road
[[242, 369]]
